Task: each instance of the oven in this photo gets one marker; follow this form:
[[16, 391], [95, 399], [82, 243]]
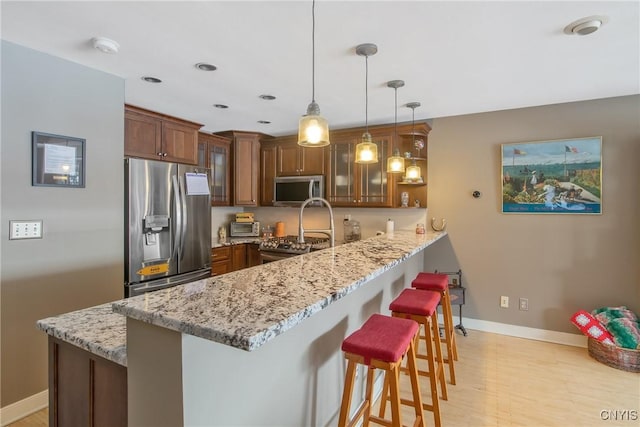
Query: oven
[[279, 248]]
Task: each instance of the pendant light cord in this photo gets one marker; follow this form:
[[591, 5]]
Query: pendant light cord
[[366, 93], [413, 128], [395, 126], [313, 51]]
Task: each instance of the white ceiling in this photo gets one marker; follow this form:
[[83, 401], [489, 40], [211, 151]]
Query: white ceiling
[[455, 57]]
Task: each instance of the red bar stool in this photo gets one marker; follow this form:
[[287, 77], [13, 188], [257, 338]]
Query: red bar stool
[[381, 343], [421, 306], [440, 283]]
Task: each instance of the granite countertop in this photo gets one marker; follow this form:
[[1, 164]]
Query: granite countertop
[[249, 307], [97, 330], [236, 241]]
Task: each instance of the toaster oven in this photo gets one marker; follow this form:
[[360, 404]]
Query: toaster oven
[[244, 229]]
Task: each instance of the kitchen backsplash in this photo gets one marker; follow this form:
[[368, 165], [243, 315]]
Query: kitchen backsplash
[[371, 220]]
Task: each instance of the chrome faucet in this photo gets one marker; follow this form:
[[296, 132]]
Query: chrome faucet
[[329, 232]]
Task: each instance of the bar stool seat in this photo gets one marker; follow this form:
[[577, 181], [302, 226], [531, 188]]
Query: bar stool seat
[[440, 283], [381, 343], [421, 306]]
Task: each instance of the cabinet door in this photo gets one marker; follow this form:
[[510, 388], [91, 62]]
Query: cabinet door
[[253, 254], [247, 155], [142, 136], [341, 188], [373, 187], [267, 174], [288, 160], [219, 169], [179, 143], [312, 161], [239, 257]]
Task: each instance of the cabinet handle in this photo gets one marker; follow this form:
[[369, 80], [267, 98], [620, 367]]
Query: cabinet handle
[[159, 154], [253, 201], [164, 154]]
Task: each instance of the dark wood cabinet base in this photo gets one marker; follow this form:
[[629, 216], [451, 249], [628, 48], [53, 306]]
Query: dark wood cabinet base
[[85, 389]]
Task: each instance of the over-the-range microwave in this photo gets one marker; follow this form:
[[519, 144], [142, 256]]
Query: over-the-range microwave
[[294, 190]]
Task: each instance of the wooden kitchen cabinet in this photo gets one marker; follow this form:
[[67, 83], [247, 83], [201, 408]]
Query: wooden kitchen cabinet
[[359, 185], [85, 389], [267, 173], [246, 167], [157, 136], [221, 260], [293, 159], [253, 254], [238, 257], [416, 191], [214, 153]]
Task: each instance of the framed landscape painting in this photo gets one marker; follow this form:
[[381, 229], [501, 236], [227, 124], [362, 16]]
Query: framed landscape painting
[[561, 177]]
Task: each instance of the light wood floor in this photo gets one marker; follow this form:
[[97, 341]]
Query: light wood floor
[[507, 381]]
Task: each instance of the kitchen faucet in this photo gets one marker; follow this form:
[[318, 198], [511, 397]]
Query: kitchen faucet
[[329, 232]]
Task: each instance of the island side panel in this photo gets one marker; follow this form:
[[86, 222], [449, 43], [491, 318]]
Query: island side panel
[[297, 378], [154, 362]]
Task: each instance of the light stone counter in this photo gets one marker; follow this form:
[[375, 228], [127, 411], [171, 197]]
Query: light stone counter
[[97, 330], [247, 308]]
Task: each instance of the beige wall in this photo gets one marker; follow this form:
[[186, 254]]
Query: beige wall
[[79, 261], [561, 263]]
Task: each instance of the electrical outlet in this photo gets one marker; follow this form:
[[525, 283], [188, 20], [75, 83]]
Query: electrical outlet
[[524, 304], [504, 301], [454, 281]]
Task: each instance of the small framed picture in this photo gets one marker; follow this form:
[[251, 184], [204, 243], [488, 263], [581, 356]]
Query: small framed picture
[[58, 161]]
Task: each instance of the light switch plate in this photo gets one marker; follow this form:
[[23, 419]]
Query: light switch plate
[[25, 230]]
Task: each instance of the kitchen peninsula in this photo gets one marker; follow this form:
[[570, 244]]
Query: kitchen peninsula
[[261, 346]]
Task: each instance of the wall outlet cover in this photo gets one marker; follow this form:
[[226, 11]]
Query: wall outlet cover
[[504, 301]]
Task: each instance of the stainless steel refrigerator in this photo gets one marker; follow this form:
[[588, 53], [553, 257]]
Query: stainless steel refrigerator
[[167, 225]]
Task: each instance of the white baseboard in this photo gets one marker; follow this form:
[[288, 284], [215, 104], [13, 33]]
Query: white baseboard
[[24, 407], [565, 338]]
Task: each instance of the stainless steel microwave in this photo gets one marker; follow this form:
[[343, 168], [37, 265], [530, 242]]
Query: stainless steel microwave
[[244, 229], [294, 190]]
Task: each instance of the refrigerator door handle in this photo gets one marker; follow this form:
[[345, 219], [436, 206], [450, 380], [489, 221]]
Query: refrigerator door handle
[[178, 214], [183, 206]]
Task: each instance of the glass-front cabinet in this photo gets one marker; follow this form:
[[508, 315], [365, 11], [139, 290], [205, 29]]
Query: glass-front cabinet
[[352, 184], [214, 154]]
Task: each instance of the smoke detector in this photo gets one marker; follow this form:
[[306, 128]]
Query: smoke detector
[[585, 26], [105, 45]]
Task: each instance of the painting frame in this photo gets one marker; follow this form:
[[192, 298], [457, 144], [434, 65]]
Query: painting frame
[[57, 160], [562, 176]]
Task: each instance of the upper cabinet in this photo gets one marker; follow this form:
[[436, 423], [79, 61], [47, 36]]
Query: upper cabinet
[[293, 159], [412, 143], [246, 166], [156, 136], [353, 184], [282, 156], [214, 153]]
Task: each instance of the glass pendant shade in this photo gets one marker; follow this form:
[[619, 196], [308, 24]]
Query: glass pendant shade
[[367, 150], [395, 163], [413, 172], [313, 130]]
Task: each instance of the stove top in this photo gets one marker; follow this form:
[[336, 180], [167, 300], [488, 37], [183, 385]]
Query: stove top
[[290, 245]]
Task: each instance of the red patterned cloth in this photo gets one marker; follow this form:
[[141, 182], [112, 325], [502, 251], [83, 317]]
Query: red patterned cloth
[[591, 327]]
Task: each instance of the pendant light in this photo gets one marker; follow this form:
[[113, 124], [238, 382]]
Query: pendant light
[[367, 150], [395, 163], [313, 129], [413, 172]]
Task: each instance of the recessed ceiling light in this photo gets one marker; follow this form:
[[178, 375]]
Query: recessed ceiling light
[[150, 79], [264, 122], [206, 67], [267, 97], [222, 106], [105, 45], [585, 26]]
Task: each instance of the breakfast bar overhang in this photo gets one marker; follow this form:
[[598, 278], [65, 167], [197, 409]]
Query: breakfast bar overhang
[[261, 346]]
